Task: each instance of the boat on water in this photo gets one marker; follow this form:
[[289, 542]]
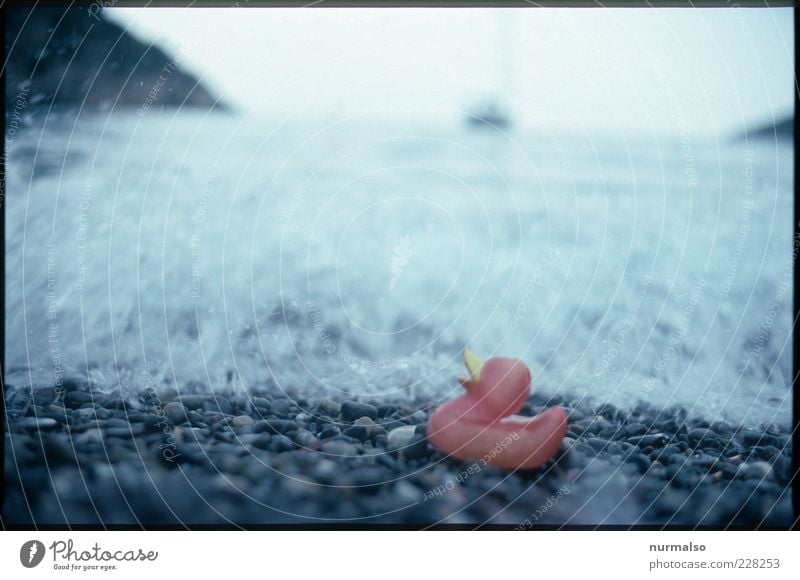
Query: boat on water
[[492, 110], [489, 113]]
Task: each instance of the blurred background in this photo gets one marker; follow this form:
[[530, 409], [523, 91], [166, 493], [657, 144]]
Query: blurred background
[[339, 201], [625, 71]]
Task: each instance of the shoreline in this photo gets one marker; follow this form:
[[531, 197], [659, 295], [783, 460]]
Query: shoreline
[[260, 459]]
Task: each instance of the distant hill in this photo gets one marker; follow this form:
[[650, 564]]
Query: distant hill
[[783, 129], [72, 58]]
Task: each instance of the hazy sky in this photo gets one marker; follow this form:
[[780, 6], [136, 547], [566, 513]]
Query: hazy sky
[[642, 70]]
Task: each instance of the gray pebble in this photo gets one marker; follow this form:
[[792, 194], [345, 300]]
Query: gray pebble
[[175, 412], [655, 440], [78, 398], [259, 440], [352, 410], [752, 437], [634, 429], [697, 434], [280, 408], [418, 448], [124, 432], [357, 432], [611, 432], [194, 402], [218, 404], [766, 452], [260, 403], [44, 396], [325, 471], [137, 417], [419, 417], [281, 444], [339, 448], [33, 423], [329, 407], [368, 478], [241, 421], [597, 443], [329, 431], [116, 423], [401, 436], [305, 438], [377, 431], [275, 426], [641, 462], [195, 417]]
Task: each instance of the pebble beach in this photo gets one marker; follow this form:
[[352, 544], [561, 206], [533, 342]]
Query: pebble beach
[[297, 328], [83, 457]]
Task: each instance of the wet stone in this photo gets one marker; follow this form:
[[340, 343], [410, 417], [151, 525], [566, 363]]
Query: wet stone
[[329, 431], [78, 398], [260, 440], [110, 434], [325, 471], [195, 417], [352, 410], [634, 429], [766, 452], [305, 438], [401, 436], [641, 462], [274, 426], [655, 440], [241, 421], [193, 402], [280, 408], [42, 424], [697, 434], [218, 404], [610, 433], [357, 432], [419, 417], [281, 444], [261, 402], [175, 412], [329, 407], [339, 448], [418, 448], [137, 417], [112, 403], [597, 443], [44, 396], [348, 439], [752, 438], [368, 479], [609, 412], [377, 431], [116, 423]]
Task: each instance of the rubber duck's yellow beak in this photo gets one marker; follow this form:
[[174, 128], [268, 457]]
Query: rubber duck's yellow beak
[[474, 365]]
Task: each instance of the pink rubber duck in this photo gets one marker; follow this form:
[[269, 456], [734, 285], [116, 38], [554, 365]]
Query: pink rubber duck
[[481, 425]]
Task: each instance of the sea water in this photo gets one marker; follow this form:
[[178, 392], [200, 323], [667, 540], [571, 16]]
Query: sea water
[[347, 257]]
